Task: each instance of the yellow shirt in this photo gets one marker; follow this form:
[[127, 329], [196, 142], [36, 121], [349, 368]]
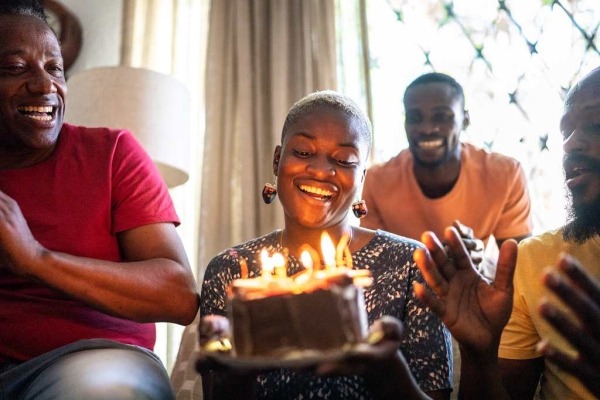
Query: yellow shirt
[[526, 327]]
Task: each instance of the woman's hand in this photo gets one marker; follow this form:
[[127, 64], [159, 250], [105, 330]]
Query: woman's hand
[[379, 349], [379, 362], [219, 381], [213, 328]]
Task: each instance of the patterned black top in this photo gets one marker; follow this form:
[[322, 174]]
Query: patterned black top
[[426, 345]]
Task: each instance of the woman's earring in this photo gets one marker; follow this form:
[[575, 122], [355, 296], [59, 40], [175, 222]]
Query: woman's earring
[[269, 192], [359, 208]]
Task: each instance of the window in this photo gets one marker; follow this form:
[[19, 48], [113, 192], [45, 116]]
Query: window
[[515, 59]]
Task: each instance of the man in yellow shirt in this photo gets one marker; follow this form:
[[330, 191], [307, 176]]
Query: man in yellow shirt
[[552, 336]]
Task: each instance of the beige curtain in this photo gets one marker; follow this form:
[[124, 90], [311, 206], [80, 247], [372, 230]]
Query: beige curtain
[[170, 37], [353, 62], [263, 55]]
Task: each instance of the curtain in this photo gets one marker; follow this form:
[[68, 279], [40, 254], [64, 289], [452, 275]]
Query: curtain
[[263, 55], [170, 37], [260, 57], [353, 58]]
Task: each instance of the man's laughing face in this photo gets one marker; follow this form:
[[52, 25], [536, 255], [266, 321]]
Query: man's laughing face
[[580, 127], [435, 117]]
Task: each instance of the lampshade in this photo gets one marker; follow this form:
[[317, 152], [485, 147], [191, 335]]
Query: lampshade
[[153, 106]]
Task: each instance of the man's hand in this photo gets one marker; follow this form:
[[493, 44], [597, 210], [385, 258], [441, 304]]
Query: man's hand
[[580, 325], [18, 247], [474, 311], [473, 245]]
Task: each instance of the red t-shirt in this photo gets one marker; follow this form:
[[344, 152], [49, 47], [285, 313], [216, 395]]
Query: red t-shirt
[[97, 183]]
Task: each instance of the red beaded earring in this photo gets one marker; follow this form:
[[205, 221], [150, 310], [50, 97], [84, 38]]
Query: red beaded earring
[[269, 192], [359, 208]]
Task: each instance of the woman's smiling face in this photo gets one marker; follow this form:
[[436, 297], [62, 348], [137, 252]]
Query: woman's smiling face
[[320, 167]]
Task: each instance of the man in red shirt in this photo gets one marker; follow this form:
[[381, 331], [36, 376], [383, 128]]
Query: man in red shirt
[[89, 254]]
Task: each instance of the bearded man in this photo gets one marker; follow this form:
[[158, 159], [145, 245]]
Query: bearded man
[[538, 322], [521, 362]]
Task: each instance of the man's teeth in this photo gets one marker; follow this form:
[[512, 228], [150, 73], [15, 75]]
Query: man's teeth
[[317, 191], [41, 117], [41, 109], [430, 144], [40, 113]]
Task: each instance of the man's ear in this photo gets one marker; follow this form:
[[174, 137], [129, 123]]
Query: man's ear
[[276, 157], [466, 119]]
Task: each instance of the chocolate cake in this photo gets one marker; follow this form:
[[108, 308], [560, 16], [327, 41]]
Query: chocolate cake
[[322, 312]]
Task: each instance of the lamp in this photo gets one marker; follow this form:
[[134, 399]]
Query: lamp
[[153, 106]]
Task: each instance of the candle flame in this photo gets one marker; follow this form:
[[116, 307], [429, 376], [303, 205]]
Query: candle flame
[[342, 251], [328, 251], [306, 260], [266, 264], [278, 262]]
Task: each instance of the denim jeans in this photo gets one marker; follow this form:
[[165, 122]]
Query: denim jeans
[[88, 369]]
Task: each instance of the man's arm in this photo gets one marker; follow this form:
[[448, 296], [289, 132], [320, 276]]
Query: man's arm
[[474, 310], [154, 284], [520, 378], [497, 378]]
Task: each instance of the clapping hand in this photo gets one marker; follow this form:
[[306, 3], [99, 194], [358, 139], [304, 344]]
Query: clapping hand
[[473, 245], [474, 311], [580, 325]]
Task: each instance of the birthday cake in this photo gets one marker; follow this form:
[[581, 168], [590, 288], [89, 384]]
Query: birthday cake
[[315, 312]]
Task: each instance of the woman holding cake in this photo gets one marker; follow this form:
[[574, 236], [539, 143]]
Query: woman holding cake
[[319, 168]]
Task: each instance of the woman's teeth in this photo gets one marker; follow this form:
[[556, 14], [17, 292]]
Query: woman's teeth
[[316, 191]]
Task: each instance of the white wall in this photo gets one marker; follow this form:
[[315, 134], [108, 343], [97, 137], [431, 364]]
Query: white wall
[[102, 22]]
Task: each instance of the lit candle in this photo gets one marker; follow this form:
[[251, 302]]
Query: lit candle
[[311, 260], [266, 265], [348, 257], [342, 251], [278, 262], [243, 268], [328, 251], [306, 260]]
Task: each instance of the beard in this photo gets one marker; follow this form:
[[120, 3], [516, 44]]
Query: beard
[[583, 219]]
